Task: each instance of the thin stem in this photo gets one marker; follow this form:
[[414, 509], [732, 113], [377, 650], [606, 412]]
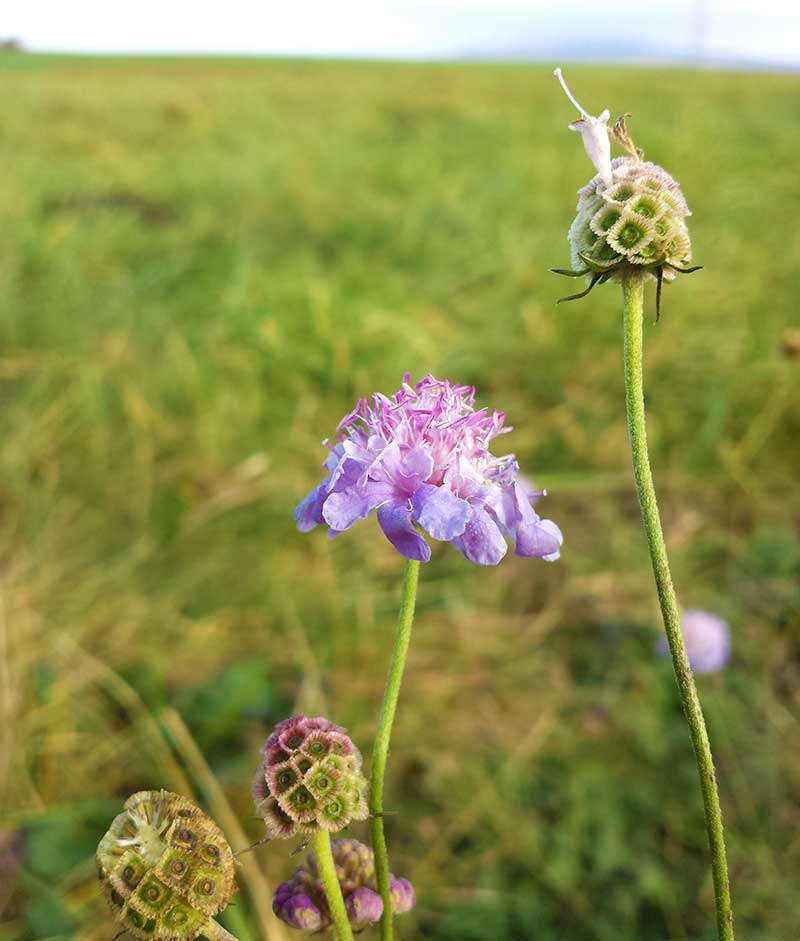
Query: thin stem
[[320, 843], [633, 292], [384, 733], [270, 929]]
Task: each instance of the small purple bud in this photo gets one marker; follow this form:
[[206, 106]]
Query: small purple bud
[[403, 896], [707, 638], [300, 912], [364, 908], [282, 893]]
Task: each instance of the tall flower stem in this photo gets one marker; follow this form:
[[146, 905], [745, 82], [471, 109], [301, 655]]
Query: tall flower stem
[[633, 293], [320, 843], [381, 749]]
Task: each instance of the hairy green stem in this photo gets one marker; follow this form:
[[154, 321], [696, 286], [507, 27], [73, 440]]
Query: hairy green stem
[[633, 293], [320, 843], [384, 733]]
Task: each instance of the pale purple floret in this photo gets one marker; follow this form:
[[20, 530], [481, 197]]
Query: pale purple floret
[[707, 638], [300, 912], [421, 459], [404, 898], [364, 907]]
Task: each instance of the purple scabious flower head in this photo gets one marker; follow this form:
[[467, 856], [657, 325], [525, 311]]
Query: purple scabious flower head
[[301, 901], [309, 779], [707, 638], [421, 460]]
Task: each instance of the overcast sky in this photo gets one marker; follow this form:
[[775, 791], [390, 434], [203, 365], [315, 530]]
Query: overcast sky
[[765, 32]]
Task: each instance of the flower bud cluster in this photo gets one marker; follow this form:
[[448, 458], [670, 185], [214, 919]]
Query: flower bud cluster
[[301, 901], [165, 868], [637, 220], [310, 778]]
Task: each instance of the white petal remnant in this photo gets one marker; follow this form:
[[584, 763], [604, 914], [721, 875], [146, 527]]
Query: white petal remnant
[[594, 132]]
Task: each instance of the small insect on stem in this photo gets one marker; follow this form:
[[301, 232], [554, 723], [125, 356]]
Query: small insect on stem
[[248, 849]]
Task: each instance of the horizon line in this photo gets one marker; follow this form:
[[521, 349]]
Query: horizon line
[[689, 60]]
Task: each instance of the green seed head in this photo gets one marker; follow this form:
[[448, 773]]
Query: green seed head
[[285, 776], [640, 228], [176, 868], [165, 867], [140, 926], [299, 804], [323, 782], [320, 787], [604, 219], [640, 220], [316, 748]]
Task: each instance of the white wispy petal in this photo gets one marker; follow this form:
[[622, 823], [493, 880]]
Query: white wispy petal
[[594, 131]]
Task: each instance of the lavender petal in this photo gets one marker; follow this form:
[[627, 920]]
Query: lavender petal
[[309, 512], [343, 509], [439, 512], [395, 521], [481, 542], [540, 539]]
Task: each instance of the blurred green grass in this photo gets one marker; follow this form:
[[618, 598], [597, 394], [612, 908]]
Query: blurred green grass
[[205, 263]]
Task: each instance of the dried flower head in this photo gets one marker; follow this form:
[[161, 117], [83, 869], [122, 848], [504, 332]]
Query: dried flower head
[[421, 459], [630, 216], [707, 638], [165, 868], [310, 778], [301, 901]]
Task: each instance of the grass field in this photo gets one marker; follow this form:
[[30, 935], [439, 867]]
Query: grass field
[[204, 264]]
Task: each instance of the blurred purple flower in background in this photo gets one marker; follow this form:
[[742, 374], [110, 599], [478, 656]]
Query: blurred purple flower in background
[[707, 638], [421, 459]]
